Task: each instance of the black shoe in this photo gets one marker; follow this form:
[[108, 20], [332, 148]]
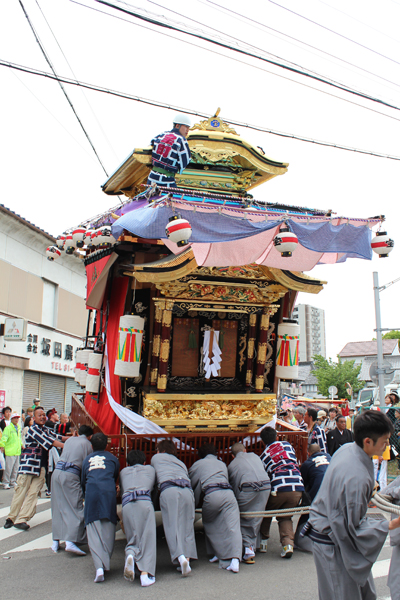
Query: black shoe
[[8, 524], [23, 526]]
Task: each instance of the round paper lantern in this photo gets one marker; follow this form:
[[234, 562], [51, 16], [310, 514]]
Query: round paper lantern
[[105, 237], [178, 230], [78, 366], [87, 238], [94, 237], [84, 366], [52, 252], [382, 244], [129, 350], [287, 350], [286, 241], [60, 241], [93, 374], [78, 236], [69, 244]]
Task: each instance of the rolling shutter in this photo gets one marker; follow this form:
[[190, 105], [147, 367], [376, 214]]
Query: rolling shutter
[[31, 388], [72, 388], [52, 392]]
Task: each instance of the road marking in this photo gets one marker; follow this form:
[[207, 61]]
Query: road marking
[[38, 519], [4, 511], [39, 544], [381, 568]]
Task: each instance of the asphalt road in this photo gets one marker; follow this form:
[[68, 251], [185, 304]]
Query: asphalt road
[[39, 574]]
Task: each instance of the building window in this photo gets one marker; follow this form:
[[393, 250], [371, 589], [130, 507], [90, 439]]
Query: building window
[[49, 306]]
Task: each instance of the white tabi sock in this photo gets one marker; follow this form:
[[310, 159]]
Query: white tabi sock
[[129, 569], [146, 580], [99, 576], [71, 547], [185, 566], [234, 566], [55, 546], [249, 553], [213, 559]]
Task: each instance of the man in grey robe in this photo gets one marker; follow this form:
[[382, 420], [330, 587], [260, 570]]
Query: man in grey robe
[[251, 487], [220, 511], [393, 582], [346, 542], [177, 505], [68, 522], [137, 481]]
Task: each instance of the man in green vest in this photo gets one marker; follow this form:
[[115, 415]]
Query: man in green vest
[[10, 445]]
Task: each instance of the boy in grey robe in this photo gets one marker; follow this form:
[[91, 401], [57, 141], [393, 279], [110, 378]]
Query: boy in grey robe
[[68, 522], [346, 542], [251, 487], [220, 511], [393, 582], [137, 482], [177, 505]]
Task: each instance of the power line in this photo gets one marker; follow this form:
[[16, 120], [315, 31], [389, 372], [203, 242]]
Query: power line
[[334, 32], [247, 53], [72, 71], [60, 84], [237, 60], [259, 25], [188, 111]]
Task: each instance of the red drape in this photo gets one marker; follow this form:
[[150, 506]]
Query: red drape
[[101, 412]]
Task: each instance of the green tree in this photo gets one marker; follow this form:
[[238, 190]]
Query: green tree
[[330, 373]]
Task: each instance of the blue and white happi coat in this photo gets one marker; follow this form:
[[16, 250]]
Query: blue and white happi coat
[[317, 436], [171, 153], [37, 440], [280, 463]]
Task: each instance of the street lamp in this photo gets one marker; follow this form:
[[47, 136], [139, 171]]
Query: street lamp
[[381, 370]]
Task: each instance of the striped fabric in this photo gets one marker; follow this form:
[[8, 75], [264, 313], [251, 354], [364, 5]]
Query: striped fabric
[[37, 439], [317, 436], [280, 463], [170, 153]]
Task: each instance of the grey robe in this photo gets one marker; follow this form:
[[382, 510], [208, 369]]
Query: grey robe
[[247, 468], [393, 582], [220, 511], [101, 538], [339, 509], [66, 494], [177, 507], [138, 517]]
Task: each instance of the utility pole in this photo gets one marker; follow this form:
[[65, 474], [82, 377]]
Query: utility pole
[[380, 370]]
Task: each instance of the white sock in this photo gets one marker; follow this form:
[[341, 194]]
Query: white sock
[[99, 576], [249, 550], [234, 566], [185, 566], [213, 559], [129, 569], [71, 547], [146, 580], [55, 546]]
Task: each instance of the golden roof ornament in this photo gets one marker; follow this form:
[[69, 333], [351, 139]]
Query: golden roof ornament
[[214, 124]]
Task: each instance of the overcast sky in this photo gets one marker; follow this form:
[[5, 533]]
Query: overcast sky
[[49, 172]]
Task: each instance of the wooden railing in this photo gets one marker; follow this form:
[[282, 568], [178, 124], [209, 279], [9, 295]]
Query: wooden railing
[[79, 414], [187, 443]]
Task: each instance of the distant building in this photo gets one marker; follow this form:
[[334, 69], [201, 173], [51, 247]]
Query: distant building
[[46, 299], [312, 331], [365, 353], [309, 383]]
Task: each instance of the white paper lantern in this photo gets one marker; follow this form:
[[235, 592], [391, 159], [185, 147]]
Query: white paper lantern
[[84, 366], [60, 242], [52, 253], [129, 350], [69, 244], [286, 241], [382, 244], [105, 237], [178, 230], [78, 236], [93, 374], [78, 366], [94, 237], [287, 350], [87, 238]]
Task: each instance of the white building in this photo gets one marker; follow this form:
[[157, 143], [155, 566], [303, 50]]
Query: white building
[[49, 298], [312, 331]]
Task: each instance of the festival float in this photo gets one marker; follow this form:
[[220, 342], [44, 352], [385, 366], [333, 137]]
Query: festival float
[[190, 292]]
